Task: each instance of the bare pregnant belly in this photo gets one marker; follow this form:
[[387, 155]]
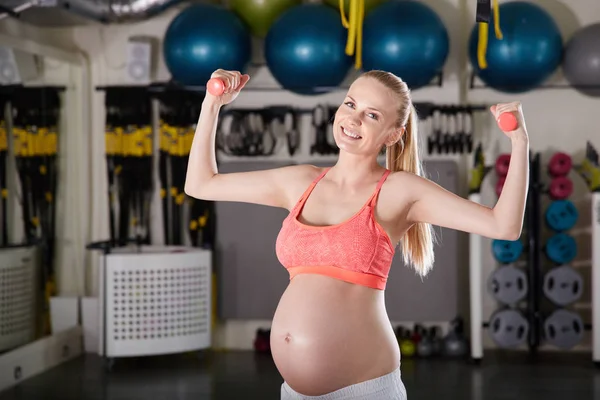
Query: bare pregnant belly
[[328, 334]]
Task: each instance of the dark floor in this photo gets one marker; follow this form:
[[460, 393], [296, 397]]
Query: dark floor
[[244, 375]]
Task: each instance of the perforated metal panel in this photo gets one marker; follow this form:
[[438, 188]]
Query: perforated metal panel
[[18, 271], [157, 303]]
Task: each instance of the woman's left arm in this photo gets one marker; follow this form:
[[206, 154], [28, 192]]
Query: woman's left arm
[[437, 206]]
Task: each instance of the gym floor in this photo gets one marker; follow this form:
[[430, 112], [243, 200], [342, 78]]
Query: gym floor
[[246, 375]]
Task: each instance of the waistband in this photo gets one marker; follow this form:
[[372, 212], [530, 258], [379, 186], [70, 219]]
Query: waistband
[[360, 278], [385, 387]]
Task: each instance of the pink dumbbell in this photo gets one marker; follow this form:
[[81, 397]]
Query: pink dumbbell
[[215, 86], [507, 122]]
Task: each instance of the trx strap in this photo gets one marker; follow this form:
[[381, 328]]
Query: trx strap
[[483, 19], [128, 139], [36, 112], [179, 115], [355, 28], [3, 177]]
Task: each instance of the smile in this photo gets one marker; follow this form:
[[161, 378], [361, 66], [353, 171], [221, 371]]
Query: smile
[[350, 134]]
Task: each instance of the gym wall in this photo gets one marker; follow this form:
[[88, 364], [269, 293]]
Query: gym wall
[[556, 118]]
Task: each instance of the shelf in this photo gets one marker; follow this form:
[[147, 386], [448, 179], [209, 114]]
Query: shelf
[[171, 86], [547, 86], [11, 89]]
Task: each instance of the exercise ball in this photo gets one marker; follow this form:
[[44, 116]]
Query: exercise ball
[[203, 38], [529, 52], [581, 62], [369, 5], [259, 15], [305, 49], [406, 38]]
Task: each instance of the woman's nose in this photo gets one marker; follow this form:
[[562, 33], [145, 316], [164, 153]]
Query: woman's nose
[[355, 118]]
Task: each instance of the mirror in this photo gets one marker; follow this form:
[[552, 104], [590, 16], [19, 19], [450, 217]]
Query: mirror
[[42, 159]]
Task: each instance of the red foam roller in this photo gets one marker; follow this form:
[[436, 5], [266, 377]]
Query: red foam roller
[[215, 86], [502, 163], [508, 122], [561, 188], [500, 185], [560, 164]]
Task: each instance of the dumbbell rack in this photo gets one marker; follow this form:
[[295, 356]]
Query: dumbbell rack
[[534, 263]]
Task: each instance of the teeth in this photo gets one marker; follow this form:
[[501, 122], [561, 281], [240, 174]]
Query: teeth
[[352, 135]]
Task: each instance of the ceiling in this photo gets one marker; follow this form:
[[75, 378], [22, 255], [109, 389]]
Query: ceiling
[[67, 13]]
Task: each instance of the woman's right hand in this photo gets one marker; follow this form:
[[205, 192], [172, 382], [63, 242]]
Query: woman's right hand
[[234, 82]]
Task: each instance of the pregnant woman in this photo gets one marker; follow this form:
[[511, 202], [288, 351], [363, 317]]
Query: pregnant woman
[[331, 337]]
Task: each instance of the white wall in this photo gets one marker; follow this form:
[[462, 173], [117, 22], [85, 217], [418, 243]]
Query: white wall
[[106, 47]]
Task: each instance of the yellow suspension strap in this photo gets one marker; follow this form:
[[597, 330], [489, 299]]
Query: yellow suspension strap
[[147, 168], [115, 138], [3, 179], [483, 19], [163, 160], [590, 168], [355, 29], [35, 120], [111, 149]]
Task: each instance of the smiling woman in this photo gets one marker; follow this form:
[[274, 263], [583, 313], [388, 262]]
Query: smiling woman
[[331, 337]]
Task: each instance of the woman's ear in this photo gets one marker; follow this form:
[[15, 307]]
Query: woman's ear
[[395, 136]]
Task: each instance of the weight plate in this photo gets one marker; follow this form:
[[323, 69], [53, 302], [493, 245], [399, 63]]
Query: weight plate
[[561, 248], [563, 329], [563, 285], [508, 328], [508, 284], [507, 251], [561, 215]]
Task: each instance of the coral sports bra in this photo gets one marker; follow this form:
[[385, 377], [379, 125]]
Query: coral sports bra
[[357, 250]]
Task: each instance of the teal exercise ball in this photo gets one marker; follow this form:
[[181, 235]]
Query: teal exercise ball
[[529, 52], [203, 38], [305, 50], [406, 38]]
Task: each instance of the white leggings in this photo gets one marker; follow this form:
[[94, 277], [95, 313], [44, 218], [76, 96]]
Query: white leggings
[[386, 387]]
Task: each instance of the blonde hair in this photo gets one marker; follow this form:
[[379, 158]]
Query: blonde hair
[[417, 243]]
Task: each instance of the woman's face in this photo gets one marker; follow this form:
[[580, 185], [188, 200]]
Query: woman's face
[[367, 119]]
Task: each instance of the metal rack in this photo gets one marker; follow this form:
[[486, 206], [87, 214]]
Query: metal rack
[[533, 310]]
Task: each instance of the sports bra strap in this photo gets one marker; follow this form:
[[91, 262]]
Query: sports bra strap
[[310, 188], [378, 188]]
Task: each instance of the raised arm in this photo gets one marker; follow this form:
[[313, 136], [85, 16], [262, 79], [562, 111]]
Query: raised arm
[[203, 181], [435, 205]]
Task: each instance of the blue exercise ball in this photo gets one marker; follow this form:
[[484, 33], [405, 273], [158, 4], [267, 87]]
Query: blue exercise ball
[[528, 54], [406, 38], [305, 49], [203, 38]]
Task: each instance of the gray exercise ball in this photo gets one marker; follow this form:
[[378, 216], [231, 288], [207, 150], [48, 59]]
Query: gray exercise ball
[[581, 63]]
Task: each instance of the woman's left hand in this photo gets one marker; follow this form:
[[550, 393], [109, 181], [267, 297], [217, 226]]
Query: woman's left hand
[[516, 109]]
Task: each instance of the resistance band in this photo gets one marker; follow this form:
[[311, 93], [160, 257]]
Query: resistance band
[[483, 19]]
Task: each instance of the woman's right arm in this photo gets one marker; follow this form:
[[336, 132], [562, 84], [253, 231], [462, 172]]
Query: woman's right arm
[[267, 187]]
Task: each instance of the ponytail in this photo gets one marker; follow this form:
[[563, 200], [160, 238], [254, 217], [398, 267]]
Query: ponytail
[[417, 243]]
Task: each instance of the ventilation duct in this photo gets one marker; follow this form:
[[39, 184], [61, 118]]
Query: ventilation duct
[[76, 12]]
